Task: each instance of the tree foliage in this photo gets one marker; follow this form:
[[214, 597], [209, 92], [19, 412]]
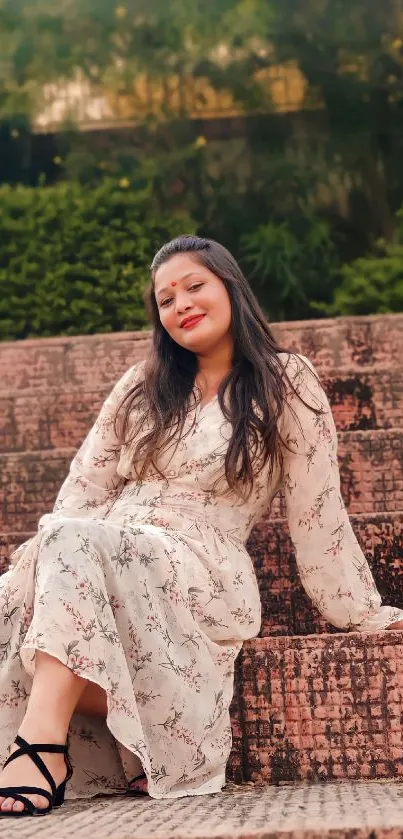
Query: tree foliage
[[293, 202], [349, 52]]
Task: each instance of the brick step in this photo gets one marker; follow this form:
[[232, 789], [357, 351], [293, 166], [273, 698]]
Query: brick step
[[31, 420], [332, 344], [370, 466], [344, 810], [318, 708], [286, 608]]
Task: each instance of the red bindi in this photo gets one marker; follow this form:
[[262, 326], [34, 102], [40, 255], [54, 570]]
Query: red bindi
[[173, 282]]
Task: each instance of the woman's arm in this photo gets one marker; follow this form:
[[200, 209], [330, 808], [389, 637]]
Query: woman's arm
[[332, 567], [93, 483]]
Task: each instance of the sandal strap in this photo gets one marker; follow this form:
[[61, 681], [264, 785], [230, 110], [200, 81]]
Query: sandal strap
[[12, 792], [53, 748], [16, 793], [31, 749]]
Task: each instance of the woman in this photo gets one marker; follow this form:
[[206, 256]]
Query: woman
[[121, 619]]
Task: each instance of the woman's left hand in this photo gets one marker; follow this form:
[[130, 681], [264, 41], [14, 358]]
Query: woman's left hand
[[397, 625]]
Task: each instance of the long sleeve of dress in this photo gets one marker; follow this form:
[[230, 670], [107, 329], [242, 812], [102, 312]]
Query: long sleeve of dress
[[332, 567], [93, 483]]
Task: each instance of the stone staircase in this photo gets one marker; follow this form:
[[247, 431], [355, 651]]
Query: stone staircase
[[311, 703]]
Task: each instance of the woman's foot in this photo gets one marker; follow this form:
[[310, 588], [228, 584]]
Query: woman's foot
[[23, 772]]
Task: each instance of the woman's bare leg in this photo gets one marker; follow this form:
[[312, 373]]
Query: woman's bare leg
[[55, 693], [93, 702]]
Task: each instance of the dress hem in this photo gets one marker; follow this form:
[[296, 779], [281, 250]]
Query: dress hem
[[178, 794]]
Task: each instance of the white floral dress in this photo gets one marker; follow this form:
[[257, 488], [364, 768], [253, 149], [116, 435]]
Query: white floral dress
[[148, 590]]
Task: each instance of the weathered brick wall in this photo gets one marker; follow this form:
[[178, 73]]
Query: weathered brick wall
[[318, 708], [310, 702], [59, 416], [340, 344], [370, 467]]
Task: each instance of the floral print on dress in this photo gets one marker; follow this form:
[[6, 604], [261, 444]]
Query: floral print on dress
[[147, 589]]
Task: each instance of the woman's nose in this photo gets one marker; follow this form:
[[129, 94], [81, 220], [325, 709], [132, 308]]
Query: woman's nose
[[182, 303]]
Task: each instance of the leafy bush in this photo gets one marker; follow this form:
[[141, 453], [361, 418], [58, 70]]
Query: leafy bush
[[74, 260], [370, 285], [291, 267]]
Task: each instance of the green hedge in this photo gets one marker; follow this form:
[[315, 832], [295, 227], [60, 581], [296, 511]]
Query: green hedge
[[370, 285], [74, 259]]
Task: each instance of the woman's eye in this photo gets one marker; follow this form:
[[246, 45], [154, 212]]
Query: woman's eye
[[191, 288]]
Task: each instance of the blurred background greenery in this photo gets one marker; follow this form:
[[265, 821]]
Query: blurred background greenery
[[274, 126]]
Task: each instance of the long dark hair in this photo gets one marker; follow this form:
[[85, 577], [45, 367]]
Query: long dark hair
[[257, 376]]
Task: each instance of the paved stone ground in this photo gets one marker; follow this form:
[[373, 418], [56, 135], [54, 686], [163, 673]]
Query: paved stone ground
[[352, 810]]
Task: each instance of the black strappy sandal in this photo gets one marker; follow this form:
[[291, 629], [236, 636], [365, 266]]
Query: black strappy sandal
[[133, 781], [55, 797]]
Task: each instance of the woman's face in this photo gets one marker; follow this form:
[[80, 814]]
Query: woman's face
[[196, 291]]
